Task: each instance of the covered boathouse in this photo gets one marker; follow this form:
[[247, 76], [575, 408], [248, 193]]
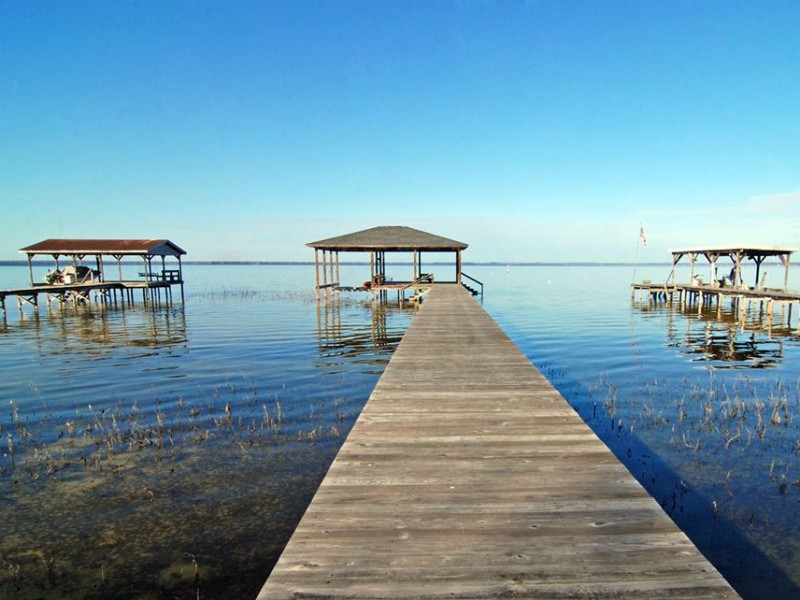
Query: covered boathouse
[[75, 280], [378, 241], [726, 280]]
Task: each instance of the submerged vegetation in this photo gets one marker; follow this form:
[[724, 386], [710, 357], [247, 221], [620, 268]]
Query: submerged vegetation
[[725, 417], [161, 455], [101, 497], [119, 436], [720, 451]]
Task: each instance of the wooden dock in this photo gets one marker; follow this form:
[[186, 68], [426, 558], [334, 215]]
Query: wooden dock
[[468, 475], [768, 300], [81, 293]]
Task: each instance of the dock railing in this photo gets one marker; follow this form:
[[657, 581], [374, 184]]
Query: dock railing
[[472, 290]]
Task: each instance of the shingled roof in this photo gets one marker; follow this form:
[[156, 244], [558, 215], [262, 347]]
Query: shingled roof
[[73, 247], [389, 238]]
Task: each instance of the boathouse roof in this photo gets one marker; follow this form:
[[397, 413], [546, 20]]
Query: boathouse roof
[[73, 247], [749, 251], [389, 238]]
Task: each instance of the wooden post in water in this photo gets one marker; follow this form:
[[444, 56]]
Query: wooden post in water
[[30, 266], [331, 267], [325, 272], [338, 279], [785, 259], [316, 271]]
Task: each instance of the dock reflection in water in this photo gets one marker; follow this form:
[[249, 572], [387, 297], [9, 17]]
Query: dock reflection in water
[[720, 338], [101, 333], [343, 340]]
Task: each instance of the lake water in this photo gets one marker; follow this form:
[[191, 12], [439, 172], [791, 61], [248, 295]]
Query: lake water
[[170, 452]]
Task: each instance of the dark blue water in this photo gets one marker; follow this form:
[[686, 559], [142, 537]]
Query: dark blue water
[[161, 453]]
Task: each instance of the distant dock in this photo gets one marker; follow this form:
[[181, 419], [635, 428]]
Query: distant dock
[[768, 300], [720, 287], [467, 475], [113, 293], [78, 283]]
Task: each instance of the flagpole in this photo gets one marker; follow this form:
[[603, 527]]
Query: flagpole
[[643, 240]]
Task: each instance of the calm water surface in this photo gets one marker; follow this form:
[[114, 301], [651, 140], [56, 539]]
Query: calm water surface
[[170, 452]]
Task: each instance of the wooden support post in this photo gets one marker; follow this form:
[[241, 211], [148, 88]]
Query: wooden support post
[[325, 272], [100, 269], [180, 276], [316, 270], [712, 261], [758, 260], [737, 271], [785, 259], [30, 266], [331, 267]]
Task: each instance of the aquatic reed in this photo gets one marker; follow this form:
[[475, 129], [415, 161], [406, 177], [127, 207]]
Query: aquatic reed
[[735, 438], [118, 436]]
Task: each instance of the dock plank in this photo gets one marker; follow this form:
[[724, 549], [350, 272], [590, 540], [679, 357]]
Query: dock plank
[[468, 475]]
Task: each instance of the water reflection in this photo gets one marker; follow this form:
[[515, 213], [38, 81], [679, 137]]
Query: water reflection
[[102, 333], [93, 458], [345, 337], [721, 337]]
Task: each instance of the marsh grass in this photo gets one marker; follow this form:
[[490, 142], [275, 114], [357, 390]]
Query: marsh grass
[[742, 415], [239, 295], [167, 481], [169, 453], [733, 437], [117, 435]]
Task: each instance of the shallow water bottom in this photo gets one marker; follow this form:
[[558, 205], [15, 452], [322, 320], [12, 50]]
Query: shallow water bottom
[[152, 525]]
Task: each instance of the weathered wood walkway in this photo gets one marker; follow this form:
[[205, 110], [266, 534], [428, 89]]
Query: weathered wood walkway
[[81, 292], [468, 475]]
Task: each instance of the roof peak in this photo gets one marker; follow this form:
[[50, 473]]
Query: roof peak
[[389, 238]]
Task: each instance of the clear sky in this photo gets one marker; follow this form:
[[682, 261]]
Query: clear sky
[[534, 131]]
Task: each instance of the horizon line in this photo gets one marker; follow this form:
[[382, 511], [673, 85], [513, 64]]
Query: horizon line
[[18, 262]]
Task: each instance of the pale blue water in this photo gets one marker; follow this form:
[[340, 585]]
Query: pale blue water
[[154, 453]]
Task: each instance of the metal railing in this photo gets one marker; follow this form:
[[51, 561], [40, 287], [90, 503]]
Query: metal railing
[[470, 288]]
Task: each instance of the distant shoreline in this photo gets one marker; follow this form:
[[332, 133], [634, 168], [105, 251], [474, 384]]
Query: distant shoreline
[[40, 263]]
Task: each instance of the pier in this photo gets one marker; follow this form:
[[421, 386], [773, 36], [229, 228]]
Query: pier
[[467, 475], [114, 293], [378, 242], [767, 300], [77, 283], [701, 294]]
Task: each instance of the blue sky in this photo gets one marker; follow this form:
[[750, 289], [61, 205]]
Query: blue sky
[[534, 131]]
